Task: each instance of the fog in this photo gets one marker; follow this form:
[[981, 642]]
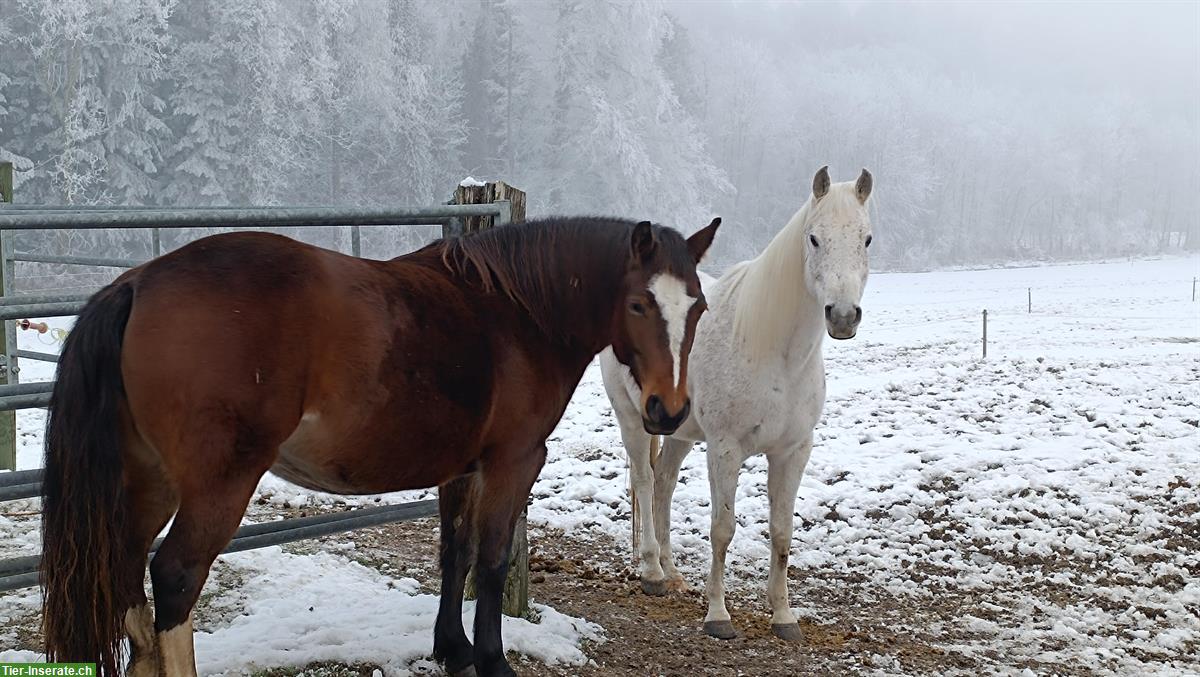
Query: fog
[[996, 132]]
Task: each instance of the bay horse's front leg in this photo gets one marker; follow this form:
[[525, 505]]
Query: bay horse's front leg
[[456, 503], [507, 477], [784, 470], [724, 463]]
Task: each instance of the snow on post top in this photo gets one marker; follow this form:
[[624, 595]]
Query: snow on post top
[[470, 181]]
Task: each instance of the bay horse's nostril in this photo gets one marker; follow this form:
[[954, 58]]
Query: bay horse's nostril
[[655, 410]]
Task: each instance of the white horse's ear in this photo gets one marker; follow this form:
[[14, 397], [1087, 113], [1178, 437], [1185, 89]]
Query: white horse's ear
[[821, 183], [862, 187]]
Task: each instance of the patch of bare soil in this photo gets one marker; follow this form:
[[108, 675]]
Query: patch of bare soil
[[592, 578]]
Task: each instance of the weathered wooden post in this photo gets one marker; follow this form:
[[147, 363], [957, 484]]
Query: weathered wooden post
[[8, 329], [488, 193], [516, 588], [1030, 308]]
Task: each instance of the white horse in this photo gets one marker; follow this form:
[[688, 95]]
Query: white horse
[[757, 385]]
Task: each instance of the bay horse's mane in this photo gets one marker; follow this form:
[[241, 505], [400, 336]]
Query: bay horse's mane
[[558, 268]]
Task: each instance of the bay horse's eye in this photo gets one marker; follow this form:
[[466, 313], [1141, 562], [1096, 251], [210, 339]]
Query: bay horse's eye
[[637, 308], [813, 240], [868, 241]]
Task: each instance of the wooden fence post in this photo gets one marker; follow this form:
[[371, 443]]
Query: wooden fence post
[[487, 193], [8, 329], [516, 588], [985, 334]]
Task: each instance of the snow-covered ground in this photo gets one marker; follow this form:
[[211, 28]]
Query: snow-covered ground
[[1072, 452], [1054, 486]]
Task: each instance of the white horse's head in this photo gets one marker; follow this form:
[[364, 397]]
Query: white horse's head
[[837, 232]]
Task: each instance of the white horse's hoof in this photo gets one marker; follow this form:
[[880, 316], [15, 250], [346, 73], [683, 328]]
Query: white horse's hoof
[[677, 584], [789, 632], [720, 629], [655, 588]]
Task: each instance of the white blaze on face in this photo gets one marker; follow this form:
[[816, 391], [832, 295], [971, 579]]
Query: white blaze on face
[[673, 301]]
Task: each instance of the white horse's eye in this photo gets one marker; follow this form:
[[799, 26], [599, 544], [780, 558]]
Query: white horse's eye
[[868, 241], [813, 240]]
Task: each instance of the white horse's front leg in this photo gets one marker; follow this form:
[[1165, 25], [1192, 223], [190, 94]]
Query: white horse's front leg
[[784, 470], [723, 466], [637, 445], [666, 476]]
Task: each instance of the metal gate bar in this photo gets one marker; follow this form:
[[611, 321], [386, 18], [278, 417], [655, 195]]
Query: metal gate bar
[[21, 572]]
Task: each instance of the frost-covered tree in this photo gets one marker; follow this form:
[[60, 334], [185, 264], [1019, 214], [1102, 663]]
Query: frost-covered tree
[[674, 112], [7, 84], [98, 126], [620, 140]]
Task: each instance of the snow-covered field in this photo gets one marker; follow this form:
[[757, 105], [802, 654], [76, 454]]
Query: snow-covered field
[[1051, 491]]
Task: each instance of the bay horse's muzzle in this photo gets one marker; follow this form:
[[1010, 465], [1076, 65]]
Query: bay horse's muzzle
[[657, 421]]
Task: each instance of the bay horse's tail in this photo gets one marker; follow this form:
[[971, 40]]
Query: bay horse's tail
[[85, 556]]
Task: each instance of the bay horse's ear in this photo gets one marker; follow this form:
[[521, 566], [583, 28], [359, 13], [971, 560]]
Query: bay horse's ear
[[821, 183], [862, 187], [642, 243], [702, 239]]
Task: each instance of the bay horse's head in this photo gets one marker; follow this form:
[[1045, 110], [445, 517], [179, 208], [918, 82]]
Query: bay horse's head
[[837, 234], [654, 325]]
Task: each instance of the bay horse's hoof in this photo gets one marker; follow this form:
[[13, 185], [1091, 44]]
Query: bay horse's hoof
[[720, 629], [459, 663], [654, 588], [503, 670], [788, 632]]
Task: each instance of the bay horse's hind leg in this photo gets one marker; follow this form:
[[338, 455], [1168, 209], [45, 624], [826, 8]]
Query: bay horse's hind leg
[[212, 502], [507, 478], [152, 501], [456, 504]]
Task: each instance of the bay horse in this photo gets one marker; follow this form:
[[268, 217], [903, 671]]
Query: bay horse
[[757, 385], [189, 377]]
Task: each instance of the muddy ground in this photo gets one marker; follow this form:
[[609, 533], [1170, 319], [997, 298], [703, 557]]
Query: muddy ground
[[850, 624]]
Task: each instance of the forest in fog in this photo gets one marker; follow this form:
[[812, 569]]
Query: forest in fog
[[995, 132]]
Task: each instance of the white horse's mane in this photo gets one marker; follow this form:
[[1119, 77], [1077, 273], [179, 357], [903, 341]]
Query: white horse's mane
[[767, 291]]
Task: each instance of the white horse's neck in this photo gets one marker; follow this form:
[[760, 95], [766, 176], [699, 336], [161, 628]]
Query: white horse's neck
[[775, 313]]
